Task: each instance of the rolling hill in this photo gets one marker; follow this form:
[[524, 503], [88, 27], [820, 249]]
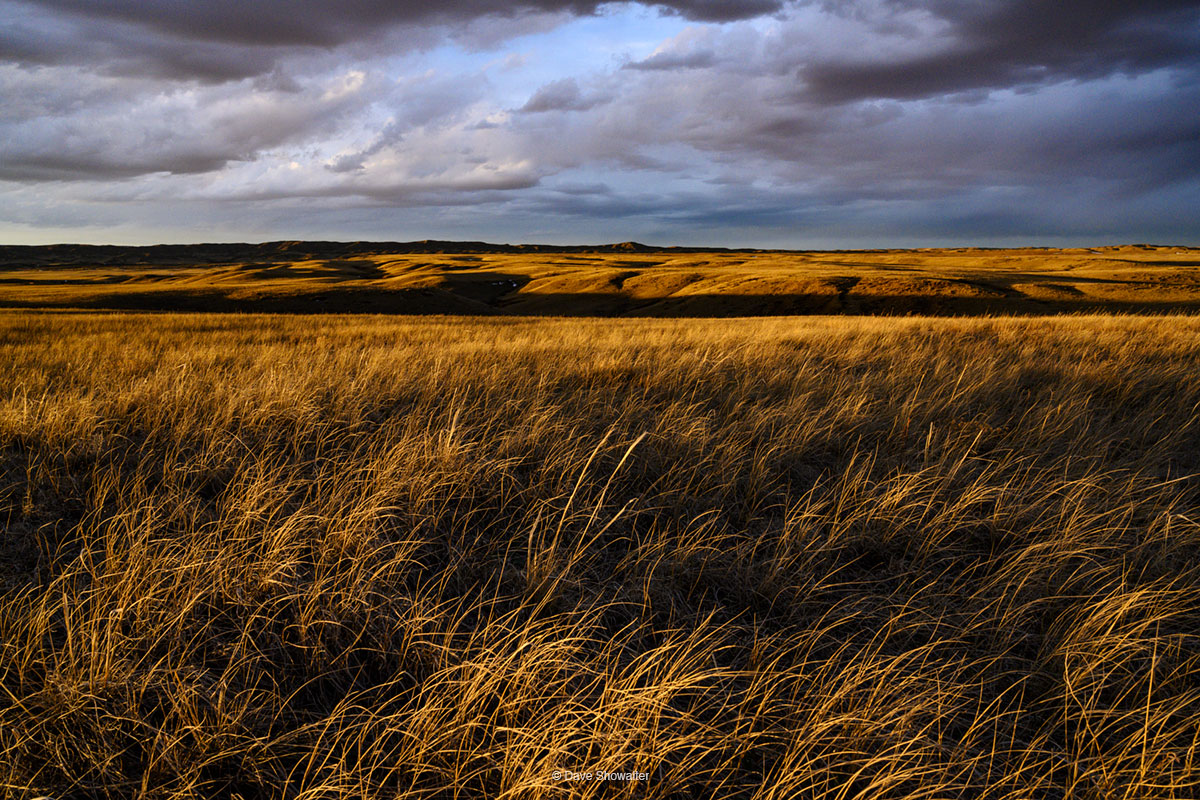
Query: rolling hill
[[628, 279]]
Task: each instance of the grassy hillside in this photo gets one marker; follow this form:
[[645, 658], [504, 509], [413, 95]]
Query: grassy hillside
[[616, 280], [317, 557]]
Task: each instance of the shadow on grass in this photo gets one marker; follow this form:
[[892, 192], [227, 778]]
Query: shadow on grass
[[500, 299]]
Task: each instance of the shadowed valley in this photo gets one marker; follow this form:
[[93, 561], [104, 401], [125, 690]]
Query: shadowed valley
[[629, 279]]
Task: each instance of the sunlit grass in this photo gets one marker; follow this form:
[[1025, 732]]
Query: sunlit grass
[[319, 557]]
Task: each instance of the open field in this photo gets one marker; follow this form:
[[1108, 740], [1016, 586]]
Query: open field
[[325, 556], [615, 280]]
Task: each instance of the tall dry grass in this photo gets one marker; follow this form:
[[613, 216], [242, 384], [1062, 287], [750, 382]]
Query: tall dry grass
[[442, 558]]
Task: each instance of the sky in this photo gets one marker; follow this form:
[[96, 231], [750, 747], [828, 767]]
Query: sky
[[740, 123]]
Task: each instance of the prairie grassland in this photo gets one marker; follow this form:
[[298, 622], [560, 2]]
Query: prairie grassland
[[325, 557]]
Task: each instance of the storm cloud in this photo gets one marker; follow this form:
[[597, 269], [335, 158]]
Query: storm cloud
[[1018, 44], [868, 122], [253, 35]]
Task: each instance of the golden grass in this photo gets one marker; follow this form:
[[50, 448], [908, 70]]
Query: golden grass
[[316, 277], [319, 557]]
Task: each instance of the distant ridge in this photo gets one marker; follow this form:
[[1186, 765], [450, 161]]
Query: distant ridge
[[211, 253], [167, 255]]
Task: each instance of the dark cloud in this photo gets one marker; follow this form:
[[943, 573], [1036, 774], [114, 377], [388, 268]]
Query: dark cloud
[[219, 40], [1003, 44], [721, 10], [318, 23], [695, 59], [41, 38], [95, 163], [563, 95]]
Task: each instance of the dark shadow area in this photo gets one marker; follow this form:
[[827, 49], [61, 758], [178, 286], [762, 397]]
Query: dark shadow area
[[1156, 262], [354, 301], [89, 281], [76, 255], [498, 294], [490, 288], [716, 306]]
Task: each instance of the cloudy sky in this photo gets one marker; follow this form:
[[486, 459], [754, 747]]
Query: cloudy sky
[[855, 123]]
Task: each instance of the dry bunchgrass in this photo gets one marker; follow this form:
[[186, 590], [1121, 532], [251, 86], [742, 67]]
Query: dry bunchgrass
[[786, 558]]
